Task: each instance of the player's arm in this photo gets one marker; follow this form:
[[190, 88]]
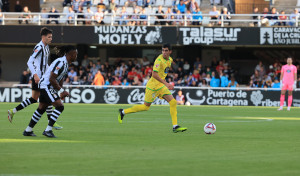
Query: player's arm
[[295, 79], [281, 76], [58, 86], [30, 64], [156, 76]]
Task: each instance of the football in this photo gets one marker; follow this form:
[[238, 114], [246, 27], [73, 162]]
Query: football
[[210, 128]]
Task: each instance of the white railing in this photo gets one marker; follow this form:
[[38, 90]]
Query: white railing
[[176, 87], [115, 19]]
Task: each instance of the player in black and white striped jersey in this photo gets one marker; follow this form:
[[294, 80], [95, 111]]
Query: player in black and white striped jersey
[[51, 87], [38, 64]]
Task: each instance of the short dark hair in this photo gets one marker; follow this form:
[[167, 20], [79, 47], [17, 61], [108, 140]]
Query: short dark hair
[[45, 31], [62, 50], [167, 45]]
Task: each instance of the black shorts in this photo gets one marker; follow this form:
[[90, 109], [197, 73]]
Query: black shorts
[[48, 96], [34, 86]]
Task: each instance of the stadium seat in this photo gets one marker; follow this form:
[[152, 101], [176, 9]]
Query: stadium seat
[[107, 19], [168, 3], [205, 20], [122, 2], [159, 2], [66, 9], [93, 9], [129, 10]]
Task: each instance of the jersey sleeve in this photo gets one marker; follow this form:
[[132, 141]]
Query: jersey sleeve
[[57, 67], [157, 65], [36, 52]]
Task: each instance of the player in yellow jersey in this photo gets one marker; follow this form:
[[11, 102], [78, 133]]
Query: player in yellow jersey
[[158, 87]]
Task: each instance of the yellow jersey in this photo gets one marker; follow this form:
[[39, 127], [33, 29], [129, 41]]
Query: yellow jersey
[[162, 67]]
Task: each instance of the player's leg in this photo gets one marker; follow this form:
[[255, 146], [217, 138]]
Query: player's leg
[[290, 99], [49, 111], [282, 97], [149, 98], [35, 118], [166, 94], [59, 108], [24, 104]]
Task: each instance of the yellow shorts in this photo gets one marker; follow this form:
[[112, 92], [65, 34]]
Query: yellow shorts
[[150, 95]]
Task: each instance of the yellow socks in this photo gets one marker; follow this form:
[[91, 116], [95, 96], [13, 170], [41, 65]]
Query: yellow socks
[[173, 111], [136, 108]]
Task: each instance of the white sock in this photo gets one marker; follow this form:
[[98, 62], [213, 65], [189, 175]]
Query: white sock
[[175, 126], [28, 129], [49, 128], [14, 110], [123, 112]]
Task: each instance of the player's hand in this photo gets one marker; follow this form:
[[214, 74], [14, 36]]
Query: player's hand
[[64, 94], [36, 78], [170, 86]]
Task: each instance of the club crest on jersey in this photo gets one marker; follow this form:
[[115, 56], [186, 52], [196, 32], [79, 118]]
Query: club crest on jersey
[[288, 71], [36, 50], [157, 65], [57, 68]]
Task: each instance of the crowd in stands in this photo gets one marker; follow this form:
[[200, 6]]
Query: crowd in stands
[[87, 12], [136, 73], [269, 77], [274, 18]]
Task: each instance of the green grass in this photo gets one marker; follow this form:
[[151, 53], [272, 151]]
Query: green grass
[[93, 143]]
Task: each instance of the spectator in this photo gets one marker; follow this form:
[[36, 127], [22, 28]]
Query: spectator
[[282, 18], [232, 83], [180, 98], [112, 6], [90, 79], [214, 15], [132, 74], [276, 84], [98, 80], [52, 16], [224, 79], [116, 82], [197, 63], [99, 15], [293, 17], [160, 16], [181, 7], [67, 3], [24, 77], [226, 16], [123, 16], [1, 16], [188, 17], [145, 80], [134, 18], [220, 66], [5, 5], [273, 17], [1, 5], [196, 75], [140, 3], [18, 7], [70, 15], [72, 75], [145, 61], [125, 83], [148, 3], [80, 15], [82, 77], [186, 67], [192, 6], [169, 16], [214, 62], [136, 81], [131, 3], [197, 18], [215, 81], [143, 17], [259, 66], [75, 5], [25, 15], [44, 14], [89, 16], [255, 16]]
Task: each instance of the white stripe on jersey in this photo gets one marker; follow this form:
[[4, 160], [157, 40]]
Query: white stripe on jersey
[[38, 61], [58, 67]]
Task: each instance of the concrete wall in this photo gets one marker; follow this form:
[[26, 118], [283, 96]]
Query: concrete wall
[[14, 61]]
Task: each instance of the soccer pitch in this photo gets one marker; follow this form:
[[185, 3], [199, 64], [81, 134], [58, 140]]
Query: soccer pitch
[[248, 141]]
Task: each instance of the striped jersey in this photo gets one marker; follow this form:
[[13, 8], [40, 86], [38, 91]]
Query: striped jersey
[[59, 67], [38, 61]]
